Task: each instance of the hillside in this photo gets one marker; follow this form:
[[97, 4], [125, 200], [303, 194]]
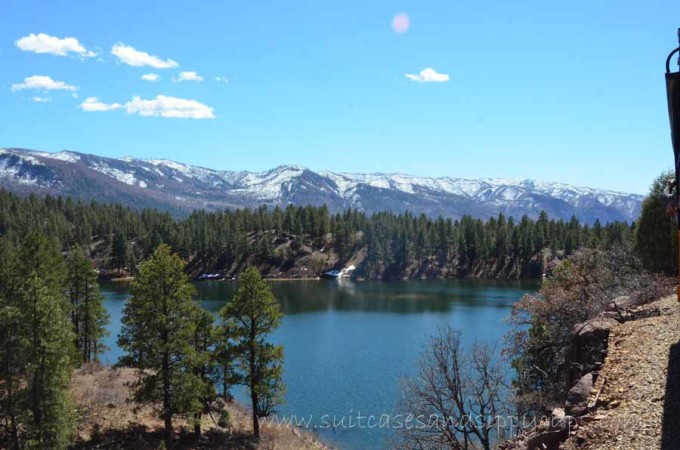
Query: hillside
[[181, 188], [303, 242], [110, 419]]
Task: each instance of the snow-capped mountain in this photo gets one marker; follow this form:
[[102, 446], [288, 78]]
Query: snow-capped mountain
[[181, 188]]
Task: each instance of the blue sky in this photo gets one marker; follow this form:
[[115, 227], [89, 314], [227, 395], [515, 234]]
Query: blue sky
[[559, 91]]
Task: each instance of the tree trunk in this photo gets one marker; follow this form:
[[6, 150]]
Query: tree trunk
[[253, 381], [75, 296], [167, 414], [168, 430], [38, 392], [86, 318], [13, 428], [256, 420], [165, 369], [197, 426]]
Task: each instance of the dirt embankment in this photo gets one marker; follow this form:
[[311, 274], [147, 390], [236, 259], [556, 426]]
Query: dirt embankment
[[625, 392], [110, 420], [637, 395]]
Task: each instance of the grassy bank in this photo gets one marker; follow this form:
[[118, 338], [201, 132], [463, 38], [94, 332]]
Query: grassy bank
[[109, 418]]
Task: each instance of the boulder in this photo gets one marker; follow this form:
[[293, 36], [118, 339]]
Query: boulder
[[560, 421], [577, 399], [548, 434], [621, 303], [589, 341], [547, 440], [597, 327]]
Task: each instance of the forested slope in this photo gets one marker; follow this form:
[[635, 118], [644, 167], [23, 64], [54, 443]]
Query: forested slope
[[305, 241]]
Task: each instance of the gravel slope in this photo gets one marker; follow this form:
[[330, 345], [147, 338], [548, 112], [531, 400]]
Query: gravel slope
[[639, 387]]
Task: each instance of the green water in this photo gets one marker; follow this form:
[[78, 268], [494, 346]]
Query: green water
[[347, 344]]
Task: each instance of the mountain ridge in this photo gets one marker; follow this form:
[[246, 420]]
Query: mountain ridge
[[179, 187]]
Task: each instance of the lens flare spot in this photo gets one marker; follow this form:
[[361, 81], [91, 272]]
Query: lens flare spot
[[401, 23]]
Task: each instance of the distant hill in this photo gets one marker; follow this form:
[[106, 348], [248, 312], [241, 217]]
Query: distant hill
[[181, 188]]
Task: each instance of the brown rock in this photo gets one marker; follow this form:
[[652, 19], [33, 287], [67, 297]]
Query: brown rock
[[577, 399], [549, 440], [589, 346], [622, 302]]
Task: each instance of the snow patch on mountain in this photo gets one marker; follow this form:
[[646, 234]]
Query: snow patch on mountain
[[269, 185], [120, 175], [13, 171], [181, 171], [61, 156], [25, 158], [21, 168]]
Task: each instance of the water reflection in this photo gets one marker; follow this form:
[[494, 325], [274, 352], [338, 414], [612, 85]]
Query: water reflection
[[407, 297]]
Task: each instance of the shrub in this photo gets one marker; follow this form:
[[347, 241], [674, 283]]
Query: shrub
[[581, 287]]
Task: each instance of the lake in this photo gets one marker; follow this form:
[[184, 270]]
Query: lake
[[348, 344]]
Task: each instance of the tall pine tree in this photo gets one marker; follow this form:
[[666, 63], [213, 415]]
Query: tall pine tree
[[37, 346], [88, 314], [159, 325], [248, 319], [11, 371]]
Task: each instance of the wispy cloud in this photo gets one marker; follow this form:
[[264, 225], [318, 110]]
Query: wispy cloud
[[428, 75], [164, 106], [153, 77], [133, 57], [187, 76], [44, 43], [93, 104], [222, 79], [43, 82], [39, 99]]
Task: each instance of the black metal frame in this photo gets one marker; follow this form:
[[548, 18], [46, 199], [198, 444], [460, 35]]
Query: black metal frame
[[673, 95]]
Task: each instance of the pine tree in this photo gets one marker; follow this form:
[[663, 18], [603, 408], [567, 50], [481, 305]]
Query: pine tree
[[224, 355], [119, 251], [656, 239], [45, 345], [88, 315], [10, 349], [203, 364], [159, 325], [49, 361], [248, 319]]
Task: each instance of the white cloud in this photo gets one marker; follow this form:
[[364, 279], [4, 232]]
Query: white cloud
[[44, 43], [428, 75], [161, 106], [132, 57], [164, 106], [42, 82], [93, 104], [222, 79], [153, 77], [187, 76], [41, 99]]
